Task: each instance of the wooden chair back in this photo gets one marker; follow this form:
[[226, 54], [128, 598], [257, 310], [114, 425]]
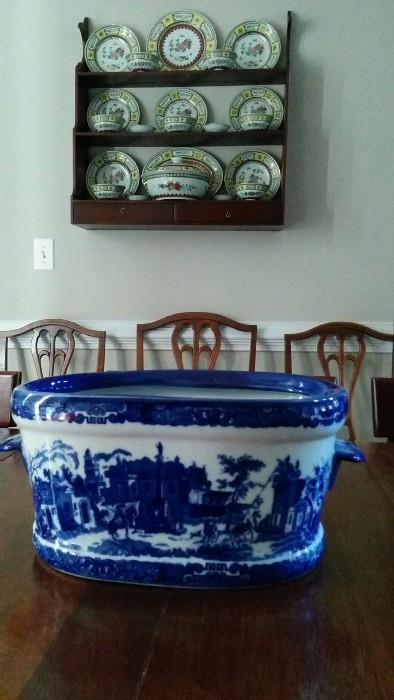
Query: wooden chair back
[[197, 322], [382, 390], [337, 361], [8, 382], [53, 342]]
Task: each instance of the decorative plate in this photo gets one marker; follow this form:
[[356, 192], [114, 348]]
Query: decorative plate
[[115, 101], [202, 159], [113, 168], [256, 44], [181, 38], [256, 101], [253, 167], [182, 102], [107, 48]]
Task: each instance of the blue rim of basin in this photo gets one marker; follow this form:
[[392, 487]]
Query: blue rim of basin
[[58, 398]]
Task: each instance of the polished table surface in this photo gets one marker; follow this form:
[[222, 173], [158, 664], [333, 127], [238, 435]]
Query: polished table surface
[[328, 635]]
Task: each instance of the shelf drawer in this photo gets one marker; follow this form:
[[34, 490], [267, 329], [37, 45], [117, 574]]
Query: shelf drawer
[[229, 214], [122, 214]]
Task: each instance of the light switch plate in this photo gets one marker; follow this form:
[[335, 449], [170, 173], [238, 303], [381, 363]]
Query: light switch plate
[[43, 254]]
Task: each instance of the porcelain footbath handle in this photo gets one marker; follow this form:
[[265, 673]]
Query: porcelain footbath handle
[[12, 443], [345, 451]]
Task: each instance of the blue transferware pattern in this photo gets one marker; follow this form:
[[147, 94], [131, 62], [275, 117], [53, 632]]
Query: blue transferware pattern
[[157, 520], [189, 483]]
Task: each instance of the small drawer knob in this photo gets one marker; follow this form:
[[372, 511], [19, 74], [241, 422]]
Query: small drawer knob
[[228, 214], [123, 210]]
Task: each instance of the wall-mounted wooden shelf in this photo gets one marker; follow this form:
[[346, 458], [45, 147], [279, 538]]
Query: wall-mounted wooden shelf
[[197, 214]]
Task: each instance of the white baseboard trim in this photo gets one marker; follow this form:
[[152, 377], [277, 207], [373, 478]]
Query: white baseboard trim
[[121, 335]]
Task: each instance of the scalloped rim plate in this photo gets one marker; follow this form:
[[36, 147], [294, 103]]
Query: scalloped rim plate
[[127, 106], [196, 107], [186, 32], [192, 154], [127, 166], [251, 41], [101, 56], [269, 101], [265, 163]]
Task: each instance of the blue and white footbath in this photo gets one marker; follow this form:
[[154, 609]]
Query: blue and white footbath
[[181, 478]]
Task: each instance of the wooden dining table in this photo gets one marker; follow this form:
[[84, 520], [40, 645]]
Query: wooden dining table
[[329, 635]]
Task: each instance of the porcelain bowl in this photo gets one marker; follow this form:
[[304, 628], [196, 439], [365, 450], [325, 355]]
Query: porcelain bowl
[[180, 478], [255, 121], [103, 191], [179, 123], [250, 190], [179, 185], [143, 60], [141, 128], [178, 178], [216, 127], [219, 59], [107, 122]]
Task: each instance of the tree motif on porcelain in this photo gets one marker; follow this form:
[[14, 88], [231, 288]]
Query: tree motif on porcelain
[[156, 519]]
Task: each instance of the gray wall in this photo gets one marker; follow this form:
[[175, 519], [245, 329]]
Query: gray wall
[[334, 260]]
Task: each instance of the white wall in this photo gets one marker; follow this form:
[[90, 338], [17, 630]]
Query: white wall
[[334, 260]]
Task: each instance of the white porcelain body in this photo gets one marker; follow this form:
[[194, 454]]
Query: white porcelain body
[[186, 478], [214, 127], [176, 185], [143, 61], [219, 59], [255, 121], [102, 191], [246, 190], [179, 123], [107, 122]]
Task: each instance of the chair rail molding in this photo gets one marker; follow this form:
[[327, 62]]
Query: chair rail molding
[[121, 335]]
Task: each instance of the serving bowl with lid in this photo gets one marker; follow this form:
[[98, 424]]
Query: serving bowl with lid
[[178, 178], [182, 478]]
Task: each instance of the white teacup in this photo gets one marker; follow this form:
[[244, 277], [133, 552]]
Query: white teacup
[[179, 123], [101, 190]]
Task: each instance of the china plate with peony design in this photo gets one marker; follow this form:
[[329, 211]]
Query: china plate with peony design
[[182, 102], [253, 167], [256, 44], [258, 101], [113, 168], [181, 38], [107, 48], [115, 101], [205, 161]]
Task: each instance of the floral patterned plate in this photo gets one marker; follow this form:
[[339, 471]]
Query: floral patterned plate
[[115, 101], [205, 161], [182, 102], [113, 168], [107, 48], [256, 101], [181, 38], [253, 167], [256, 44]]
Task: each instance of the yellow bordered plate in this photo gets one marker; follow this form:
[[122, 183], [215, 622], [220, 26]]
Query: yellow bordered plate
[[115, 101], [197, 157], [181, 38], [182, 102], [255, 44], [113, 168], [250, 167], [259, 100], [108, 47]]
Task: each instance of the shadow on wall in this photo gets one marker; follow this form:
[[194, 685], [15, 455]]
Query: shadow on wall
[[307, 194]]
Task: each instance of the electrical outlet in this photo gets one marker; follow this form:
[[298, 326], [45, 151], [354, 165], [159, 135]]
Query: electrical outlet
[[43, 253]]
